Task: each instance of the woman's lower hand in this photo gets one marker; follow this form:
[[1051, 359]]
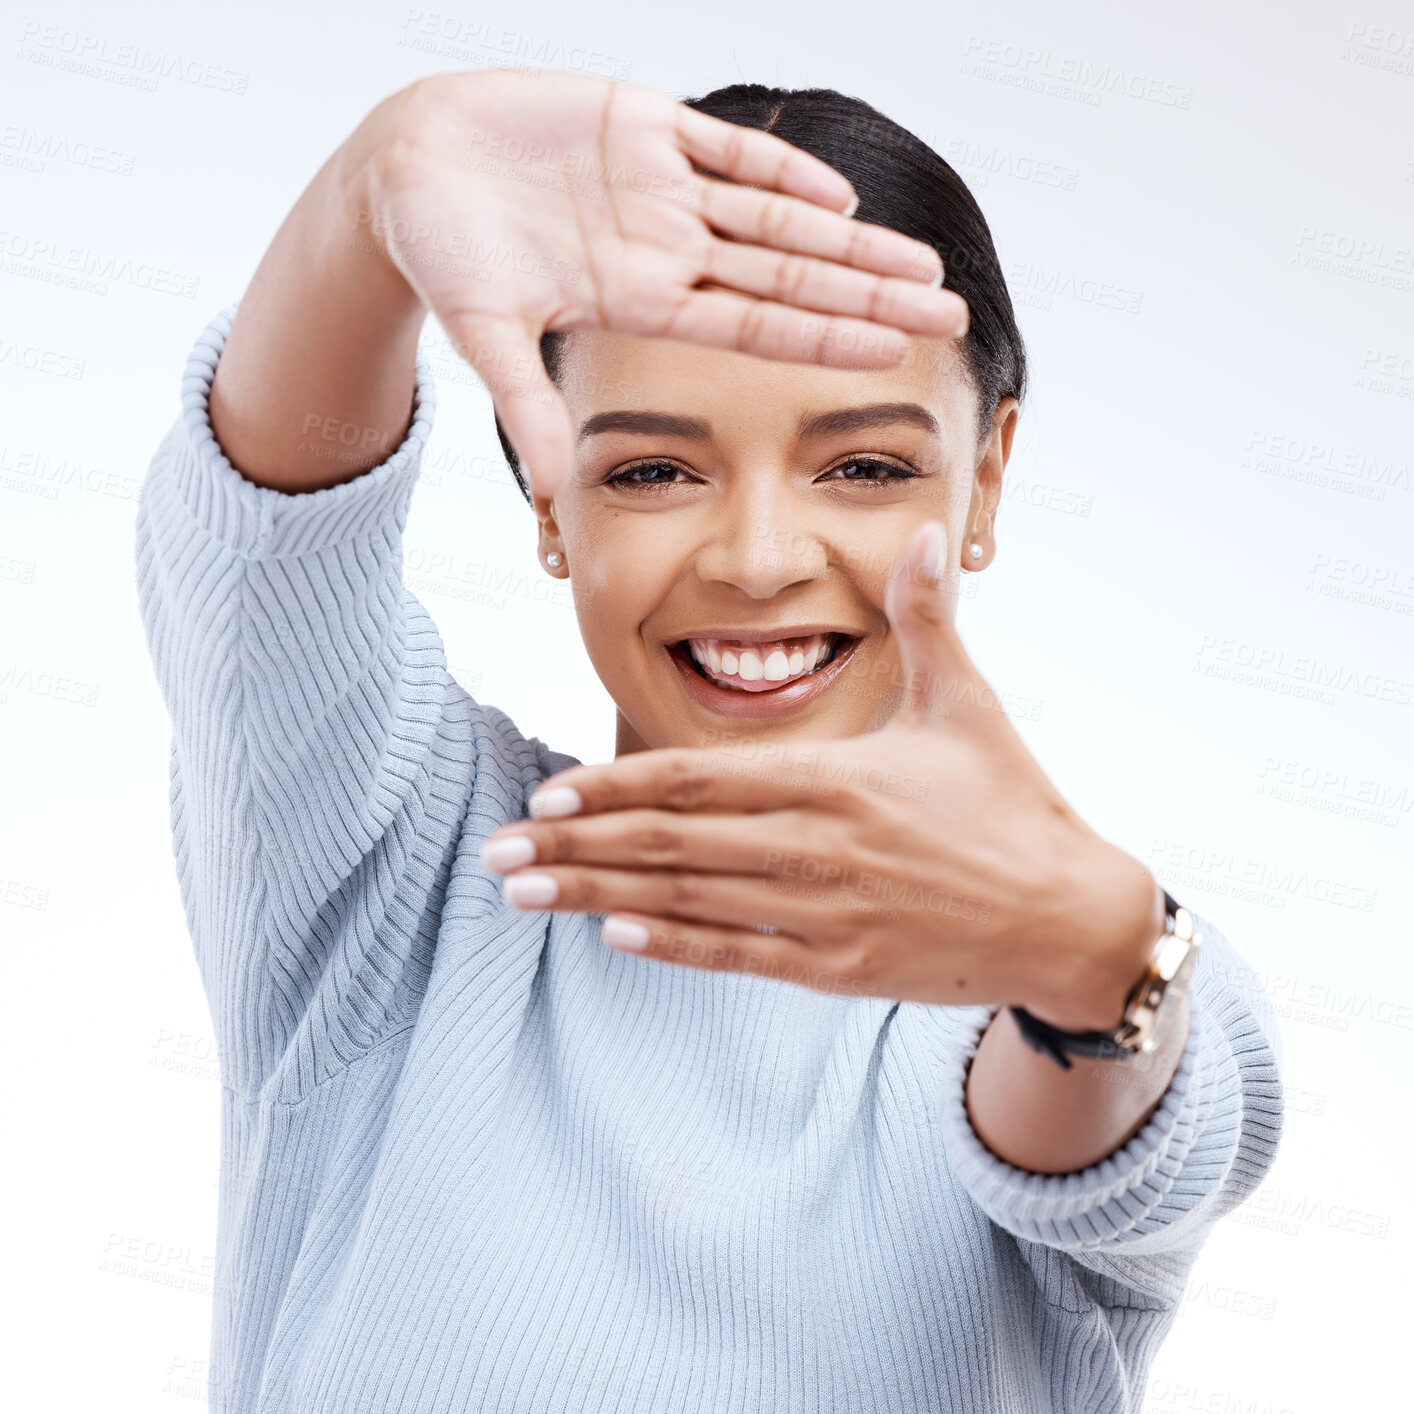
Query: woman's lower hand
[[931, 860], [514, 202]]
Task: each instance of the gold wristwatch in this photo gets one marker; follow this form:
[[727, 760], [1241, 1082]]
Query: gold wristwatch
[[1165, 979]]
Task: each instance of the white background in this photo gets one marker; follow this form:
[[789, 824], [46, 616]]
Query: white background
[[1215, 479]]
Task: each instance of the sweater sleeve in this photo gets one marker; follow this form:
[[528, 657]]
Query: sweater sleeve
[[323, 761], [1138, 1217]]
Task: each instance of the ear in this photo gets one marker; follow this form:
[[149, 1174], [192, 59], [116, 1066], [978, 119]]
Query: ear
[[987, 487], [548, 536]]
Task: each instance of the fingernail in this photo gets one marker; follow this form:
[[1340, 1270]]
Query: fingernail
[[530, 890], [852, 207], [558, 800], [934, 547], [624, 933], [507, 853]]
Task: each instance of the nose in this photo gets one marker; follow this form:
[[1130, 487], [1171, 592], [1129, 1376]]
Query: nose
[[761, 544]]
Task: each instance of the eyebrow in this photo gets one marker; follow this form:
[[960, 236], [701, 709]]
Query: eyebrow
[[822, 424]]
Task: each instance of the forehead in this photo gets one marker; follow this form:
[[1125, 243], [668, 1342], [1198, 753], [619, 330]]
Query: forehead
[[600, 370]]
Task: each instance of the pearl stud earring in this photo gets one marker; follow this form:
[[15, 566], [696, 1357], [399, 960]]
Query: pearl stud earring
[[975, 550], [553, 559]]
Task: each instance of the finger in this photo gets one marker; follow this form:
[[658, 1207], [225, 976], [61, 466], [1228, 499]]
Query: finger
[[783, 223], [920, 600], [761, 158], [774, 776], [505, 355], [713, 949], [648, 839], [720, 899], [725, 320], [823, 285]]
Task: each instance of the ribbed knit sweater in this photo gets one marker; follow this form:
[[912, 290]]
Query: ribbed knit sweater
[[474, 1159]]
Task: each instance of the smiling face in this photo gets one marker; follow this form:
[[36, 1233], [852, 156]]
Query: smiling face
[[731, 523]]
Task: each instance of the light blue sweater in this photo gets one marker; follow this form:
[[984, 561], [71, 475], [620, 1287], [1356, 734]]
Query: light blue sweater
[[474, 1159]]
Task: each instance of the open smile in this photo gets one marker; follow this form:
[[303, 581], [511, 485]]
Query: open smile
[[756, 675]]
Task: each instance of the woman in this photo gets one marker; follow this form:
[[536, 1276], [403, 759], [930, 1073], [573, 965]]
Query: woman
[[729, 1100]]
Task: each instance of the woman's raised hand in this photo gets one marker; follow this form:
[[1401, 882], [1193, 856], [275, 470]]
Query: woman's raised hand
[[516, 202]]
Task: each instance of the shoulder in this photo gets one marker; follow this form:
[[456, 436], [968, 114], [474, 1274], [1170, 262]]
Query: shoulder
[[509, 764]]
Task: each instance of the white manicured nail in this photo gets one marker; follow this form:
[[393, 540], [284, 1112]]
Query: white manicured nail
[[625, 933], [530, 890], [507, 853], [558, 800]]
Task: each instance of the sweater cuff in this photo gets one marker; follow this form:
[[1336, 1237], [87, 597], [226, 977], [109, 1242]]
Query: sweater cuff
[[259, 521], [1173, 1164]]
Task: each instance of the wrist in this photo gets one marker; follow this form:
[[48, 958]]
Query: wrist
[[1114, 914], [362, 174]]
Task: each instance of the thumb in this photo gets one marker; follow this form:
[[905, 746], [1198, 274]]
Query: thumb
[[505, 355], [920, 600]]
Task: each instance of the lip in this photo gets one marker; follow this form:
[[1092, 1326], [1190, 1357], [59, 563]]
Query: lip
[[770, 635], [776, 702]]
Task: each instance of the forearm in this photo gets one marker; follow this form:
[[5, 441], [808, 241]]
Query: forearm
[[1102, 914], [1036, 1115], [315, 384]]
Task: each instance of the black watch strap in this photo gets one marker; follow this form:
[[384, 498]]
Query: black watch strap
[[1061, 1045]]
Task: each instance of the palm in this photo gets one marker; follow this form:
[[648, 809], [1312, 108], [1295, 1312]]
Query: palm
[[521, 203]]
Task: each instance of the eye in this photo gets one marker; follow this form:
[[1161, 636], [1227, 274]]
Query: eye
[[871, 470], [648, 474]]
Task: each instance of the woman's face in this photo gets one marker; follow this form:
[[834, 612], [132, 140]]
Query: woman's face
[[731, 522]]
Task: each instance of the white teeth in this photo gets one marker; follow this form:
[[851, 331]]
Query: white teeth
[[769, 662]]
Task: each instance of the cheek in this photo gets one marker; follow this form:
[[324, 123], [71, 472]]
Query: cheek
[[620, 572]]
